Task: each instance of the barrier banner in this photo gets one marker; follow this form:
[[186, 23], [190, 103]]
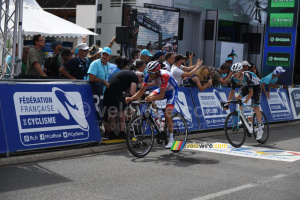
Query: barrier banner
[[295, 101], [208, 107], [278, 107], [185, 106], [47, 115], [97, 88], [3, 146]]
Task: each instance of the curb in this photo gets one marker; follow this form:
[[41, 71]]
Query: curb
[[104, 148]]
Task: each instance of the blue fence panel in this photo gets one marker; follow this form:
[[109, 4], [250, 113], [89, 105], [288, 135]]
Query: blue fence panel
[[46, 115], [3, 146]]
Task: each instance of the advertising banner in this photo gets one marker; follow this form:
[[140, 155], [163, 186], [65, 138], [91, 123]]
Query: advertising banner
[[48, 115], [208, 107], [278, 107], [3, 146], [295, 101], [280, 38]]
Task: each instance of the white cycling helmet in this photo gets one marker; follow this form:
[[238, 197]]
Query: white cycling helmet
[[236, 67]]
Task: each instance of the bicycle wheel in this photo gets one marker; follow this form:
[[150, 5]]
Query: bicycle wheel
[[235, 130], [265, 127], [180, 129], [139, 136]]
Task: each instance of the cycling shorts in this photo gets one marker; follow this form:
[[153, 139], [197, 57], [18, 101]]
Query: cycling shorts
[[244, 90], [170, 95]]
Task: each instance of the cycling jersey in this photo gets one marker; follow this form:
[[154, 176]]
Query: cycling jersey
[[165, 80], [250, 80]]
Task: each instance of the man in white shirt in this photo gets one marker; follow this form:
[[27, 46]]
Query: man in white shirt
[[170, 58], [179, 71]]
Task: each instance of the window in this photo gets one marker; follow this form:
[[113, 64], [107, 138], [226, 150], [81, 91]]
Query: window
[[98, 43], [209, 29], [99, 19], [130, 2], [99, 31], [99, 7]]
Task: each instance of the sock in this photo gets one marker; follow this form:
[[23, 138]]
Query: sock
[[171, 136], [259, 126]]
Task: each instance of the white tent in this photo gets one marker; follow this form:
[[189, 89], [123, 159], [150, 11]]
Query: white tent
[[38, 21]]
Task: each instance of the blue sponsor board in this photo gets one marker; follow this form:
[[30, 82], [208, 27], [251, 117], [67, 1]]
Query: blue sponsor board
[[48, 115], [295, 101], [208, 107], [278, 107]]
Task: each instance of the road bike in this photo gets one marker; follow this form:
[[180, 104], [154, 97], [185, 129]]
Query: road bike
[[237, 125], [142, 130]]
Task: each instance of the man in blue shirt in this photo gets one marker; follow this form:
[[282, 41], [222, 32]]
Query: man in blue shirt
[[270, 80], [98, 71]]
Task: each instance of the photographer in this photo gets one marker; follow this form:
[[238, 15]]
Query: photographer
[[217, 78]]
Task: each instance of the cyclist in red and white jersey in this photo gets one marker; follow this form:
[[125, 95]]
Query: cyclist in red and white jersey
[[168, 89]]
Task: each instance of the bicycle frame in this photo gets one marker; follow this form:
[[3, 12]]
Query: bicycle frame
[[249, 127]]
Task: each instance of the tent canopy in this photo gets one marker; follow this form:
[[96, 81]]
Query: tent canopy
[[37, 21]]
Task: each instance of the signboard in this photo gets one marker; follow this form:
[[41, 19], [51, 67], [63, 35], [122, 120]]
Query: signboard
[[39, 116], [295, 101], [280, 38], [277, 108], [208, 107]]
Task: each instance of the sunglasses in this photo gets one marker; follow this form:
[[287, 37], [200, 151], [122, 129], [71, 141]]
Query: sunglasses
[[205, 72]]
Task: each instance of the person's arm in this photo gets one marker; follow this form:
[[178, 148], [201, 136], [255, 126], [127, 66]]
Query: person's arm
[[64, 72], [224, 81], [189, 74], [191, 60], [199, 85], [111, 42], [188, 69], [94, 78], [157, 97], [132, 89], [263, 85], [137, 95], [38, 68]]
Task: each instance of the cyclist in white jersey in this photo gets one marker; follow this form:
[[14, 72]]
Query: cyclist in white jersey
[[250, 87], [167, 90]]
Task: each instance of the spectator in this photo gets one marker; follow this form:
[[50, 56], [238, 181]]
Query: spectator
[[229, 61], [179, 71], [66, 55], [253, 69], [114, 102], [94, 53], [200, 79], [146, 55], [135, 54], [53, 63], [98, 71], [122, 63], [75, 50], [170, 58], [35, 59], [24, 59], [57, 49], [159, 56], [217, 78], [77, 66], [270, 80], [246, 66], [140, 65], [8, 68]]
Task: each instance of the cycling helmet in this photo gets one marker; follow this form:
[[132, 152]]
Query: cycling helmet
[[153, 66], [236, 67]]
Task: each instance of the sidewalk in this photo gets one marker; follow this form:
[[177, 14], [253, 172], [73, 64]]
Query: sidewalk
[[58, 154]]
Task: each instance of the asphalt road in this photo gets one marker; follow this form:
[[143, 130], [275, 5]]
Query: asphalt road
[[162, 174]]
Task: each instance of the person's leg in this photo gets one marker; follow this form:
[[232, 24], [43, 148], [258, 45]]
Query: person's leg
[[256, 102], [171, 99]]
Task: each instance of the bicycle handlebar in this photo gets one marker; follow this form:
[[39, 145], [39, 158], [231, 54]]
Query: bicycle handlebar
[[140, 102], [239, 101]]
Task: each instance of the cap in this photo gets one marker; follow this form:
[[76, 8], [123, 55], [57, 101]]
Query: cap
[[106, 50], [229, 58], [94, 50], [159, 54], [278, 70], [83, 46], [55, 43], [146, 52], [246, 63]]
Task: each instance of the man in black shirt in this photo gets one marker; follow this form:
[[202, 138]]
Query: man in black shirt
[[114, 102], [78, 66]]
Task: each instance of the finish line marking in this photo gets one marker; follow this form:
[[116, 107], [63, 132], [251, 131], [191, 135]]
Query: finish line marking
[[254, 152]]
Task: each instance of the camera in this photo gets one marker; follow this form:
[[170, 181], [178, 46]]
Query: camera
[[187, 53]]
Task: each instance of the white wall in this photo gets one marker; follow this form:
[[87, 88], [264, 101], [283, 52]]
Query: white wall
[[86, 16]]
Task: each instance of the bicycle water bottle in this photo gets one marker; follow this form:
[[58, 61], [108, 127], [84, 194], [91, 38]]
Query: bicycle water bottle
[[249, 119]]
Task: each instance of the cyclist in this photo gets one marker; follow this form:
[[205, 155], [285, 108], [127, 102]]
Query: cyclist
[[250, 87], [167, 90]]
